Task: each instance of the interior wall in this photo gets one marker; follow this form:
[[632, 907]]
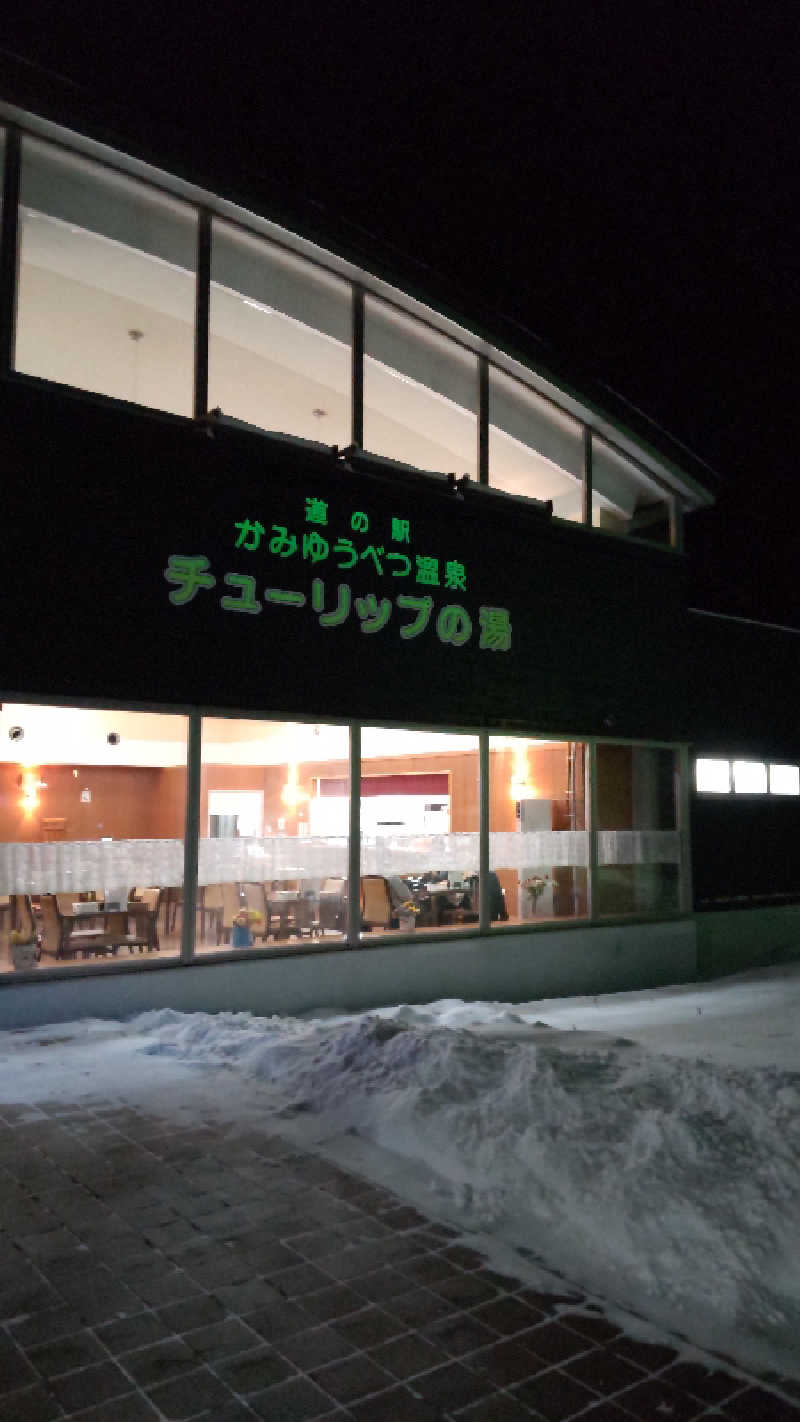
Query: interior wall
[[140, 802], [168, 809], [460, 766], [548, 774], [269, 780], [128, 802], [614, 788]]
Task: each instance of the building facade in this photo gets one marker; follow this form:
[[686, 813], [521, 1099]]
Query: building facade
[[347, 655]]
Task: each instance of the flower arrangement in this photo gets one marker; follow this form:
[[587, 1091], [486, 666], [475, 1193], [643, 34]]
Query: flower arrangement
[[248, 918], [244, 921], [536, 886], [408, 906]]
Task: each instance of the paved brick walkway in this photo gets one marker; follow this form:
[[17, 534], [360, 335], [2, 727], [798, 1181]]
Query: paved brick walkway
[[149, 1271]]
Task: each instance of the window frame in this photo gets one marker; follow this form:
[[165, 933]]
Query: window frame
[[205, 207], [353, 940]]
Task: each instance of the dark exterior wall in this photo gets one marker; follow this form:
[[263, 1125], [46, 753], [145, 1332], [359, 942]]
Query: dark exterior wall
[[744, 695], [745, 848], [744, 687], [100, 496]]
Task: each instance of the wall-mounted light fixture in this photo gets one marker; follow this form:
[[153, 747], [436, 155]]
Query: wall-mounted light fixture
[[30, 781], [293, 794], [521, 787]]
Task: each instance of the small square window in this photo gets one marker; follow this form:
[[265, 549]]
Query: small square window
[[713, 776], [784, 780], [749, 777]]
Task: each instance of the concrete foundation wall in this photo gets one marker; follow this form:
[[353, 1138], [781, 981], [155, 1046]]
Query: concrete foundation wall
[[511, 967], [733, 941]]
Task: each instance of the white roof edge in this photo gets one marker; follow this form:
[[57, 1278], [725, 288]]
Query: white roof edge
[[693, 495]]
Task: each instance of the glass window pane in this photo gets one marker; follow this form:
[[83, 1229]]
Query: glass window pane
[[420, 394], [749, 777], [638, 843], [419, 831], [274, 816], [106, 282], [92, 813], [279, 352], [713, 776], [534, 448], [624, 500], [784, 780], [538, 844]]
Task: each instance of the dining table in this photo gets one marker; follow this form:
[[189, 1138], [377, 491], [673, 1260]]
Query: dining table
[[434, 901], [293, 910]]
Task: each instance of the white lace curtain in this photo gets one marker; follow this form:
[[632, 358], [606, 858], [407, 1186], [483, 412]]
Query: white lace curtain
[[80, 865]]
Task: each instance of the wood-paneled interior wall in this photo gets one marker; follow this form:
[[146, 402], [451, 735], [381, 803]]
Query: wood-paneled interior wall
[[136, 802], [547, 773], [128, 802], [614, 787]]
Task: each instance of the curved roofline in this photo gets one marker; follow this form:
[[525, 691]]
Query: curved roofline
[[347, 252]]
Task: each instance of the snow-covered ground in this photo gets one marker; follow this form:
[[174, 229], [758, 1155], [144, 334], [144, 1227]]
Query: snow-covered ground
[[645, 1144]]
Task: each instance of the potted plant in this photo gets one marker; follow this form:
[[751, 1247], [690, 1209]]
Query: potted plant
[[536, 886], [24, 948], [243, 924]]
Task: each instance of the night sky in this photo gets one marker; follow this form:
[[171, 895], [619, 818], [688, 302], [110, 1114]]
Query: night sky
[[620, 184]]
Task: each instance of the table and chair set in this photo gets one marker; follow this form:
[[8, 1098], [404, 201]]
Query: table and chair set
[[64, 926], [68, 927], [285, 909]]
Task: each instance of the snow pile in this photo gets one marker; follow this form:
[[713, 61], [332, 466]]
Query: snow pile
[[667, 1183], [645, 1144]]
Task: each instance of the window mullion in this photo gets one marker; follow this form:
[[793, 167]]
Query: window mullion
[[357, 369], [484, 902], [682, 808], [191, 835], [354, 841], [202, 313], [9, 250], [587, 475], [483, 420], [591, 809]]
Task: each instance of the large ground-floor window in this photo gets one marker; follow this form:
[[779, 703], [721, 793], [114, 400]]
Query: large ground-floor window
[[92, 813], [538, 842], [308, 835]]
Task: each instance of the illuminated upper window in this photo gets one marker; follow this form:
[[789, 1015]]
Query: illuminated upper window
[[749, 777], [713, 776], [784, 780]]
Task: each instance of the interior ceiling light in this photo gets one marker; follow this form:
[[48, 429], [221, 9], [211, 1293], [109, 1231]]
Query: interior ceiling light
[[318, 413]]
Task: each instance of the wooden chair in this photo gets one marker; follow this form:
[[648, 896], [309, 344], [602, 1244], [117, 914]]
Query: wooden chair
[[145, 910], [376, 902], [231, 904], [303, 916], [116, 933], [59, 937], [23, 912], [212, 908], [332, 906]]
